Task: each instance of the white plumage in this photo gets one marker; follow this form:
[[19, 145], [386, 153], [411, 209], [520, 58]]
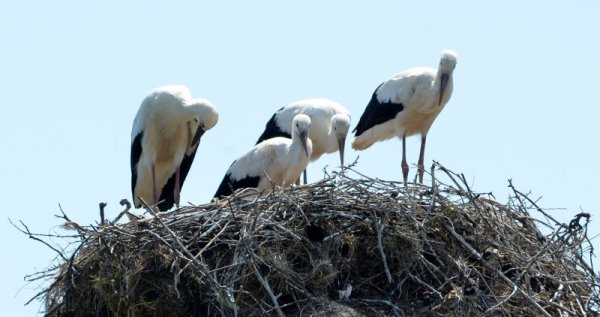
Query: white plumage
[[405, 105], [330, 122], [165, 136], [278, 161]]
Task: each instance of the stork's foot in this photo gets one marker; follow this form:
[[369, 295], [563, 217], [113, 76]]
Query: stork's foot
[[421, 172]]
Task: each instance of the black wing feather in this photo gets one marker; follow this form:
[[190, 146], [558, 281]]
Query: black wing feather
[[272, 130], [376, 113], [167, 195], [136, 153], [228, 186]]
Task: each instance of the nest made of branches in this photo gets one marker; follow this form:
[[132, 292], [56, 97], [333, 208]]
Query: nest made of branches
[[340, 247]]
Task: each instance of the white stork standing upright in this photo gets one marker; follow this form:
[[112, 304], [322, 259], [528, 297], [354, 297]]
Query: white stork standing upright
[[164, 139], [278, 160], [406, 105], [330, 122]]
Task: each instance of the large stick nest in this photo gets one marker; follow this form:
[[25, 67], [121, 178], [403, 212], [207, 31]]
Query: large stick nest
[[340, 247]]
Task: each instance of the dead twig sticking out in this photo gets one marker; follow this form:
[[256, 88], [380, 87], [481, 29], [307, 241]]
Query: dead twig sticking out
[[379, 227], [102, 206]]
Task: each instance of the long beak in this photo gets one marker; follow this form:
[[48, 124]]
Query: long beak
[[341, 144], [303, 137], [443, 85], [199, 133]]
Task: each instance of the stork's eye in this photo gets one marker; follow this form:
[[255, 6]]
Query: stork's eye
[[196, 119]]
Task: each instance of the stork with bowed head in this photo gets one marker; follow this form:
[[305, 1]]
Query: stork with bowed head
[[330, 122], [405, 105], [165, 136], [275, 161]]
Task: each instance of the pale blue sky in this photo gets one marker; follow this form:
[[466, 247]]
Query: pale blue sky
[[72, 75]]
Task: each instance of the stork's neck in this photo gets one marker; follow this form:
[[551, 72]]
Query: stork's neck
[[179, 116], [296, 138], [295, 147], [174, 119]]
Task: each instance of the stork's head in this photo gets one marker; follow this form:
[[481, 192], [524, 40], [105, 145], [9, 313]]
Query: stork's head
[[204, 113], [448, 61], [300, 127], [340, 124], [447, 65]]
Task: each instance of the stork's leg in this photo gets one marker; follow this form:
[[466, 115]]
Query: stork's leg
[[421, 158], [154, 191], [305, 178], [404, 164], [177, 189]]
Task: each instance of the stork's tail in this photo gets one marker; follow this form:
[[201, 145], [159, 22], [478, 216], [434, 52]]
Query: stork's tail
[[361, 142]]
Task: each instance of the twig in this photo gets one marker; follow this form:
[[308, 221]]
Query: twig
[[267, 288], [102, 205], [384, 302], [379, 228], [519, 194], [130, 216], [423, 283], [33, 237]]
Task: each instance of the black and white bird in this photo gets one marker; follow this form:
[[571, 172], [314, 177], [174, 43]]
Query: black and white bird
[[406, 105], [275, 161], [330, 123], [165, 136]]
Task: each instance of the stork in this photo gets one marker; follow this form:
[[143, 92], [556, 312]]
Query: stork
[[406, 105], [165, 136], [277, 160], [330, 123]]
